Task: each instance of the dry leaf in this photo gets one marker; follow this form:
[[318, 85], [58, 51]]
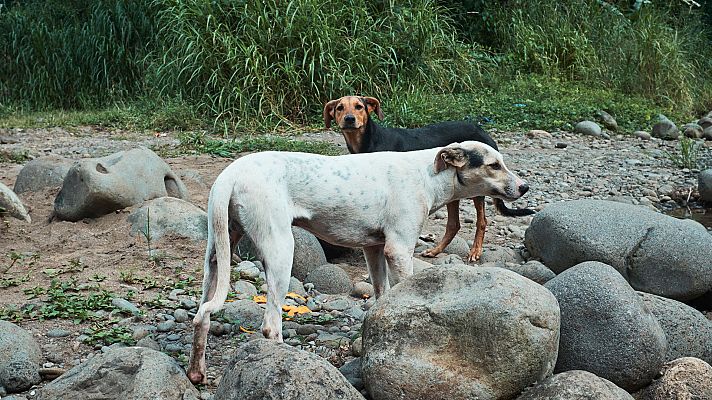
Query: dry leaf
[[259, 299], [245, 330], [292, 310], [293, 295]]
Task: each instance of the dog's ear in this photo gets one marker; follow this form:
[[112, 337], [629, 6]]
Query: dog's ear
[[329, 112], [454, 156], [373, 105]]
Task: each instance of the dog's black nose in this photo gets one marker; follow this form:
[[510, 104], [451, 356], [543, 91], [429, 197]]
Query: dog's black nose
[[350, 119], [523, 188]]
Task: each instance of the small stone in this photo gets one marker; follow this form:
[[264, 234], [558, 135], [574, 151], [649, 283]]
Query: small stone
[[188, 304], [248, 270], [561, 145], [125, 305], [244, 289], [339, 304], [166, 326], [149, 343], [181, 315], [58, 333], [357, 347], [589, 128], [642, 135], [362, 290]]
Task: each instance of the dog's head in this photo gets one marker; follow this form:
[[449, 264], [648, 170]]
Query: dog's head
[[480, 170], [351, 112]]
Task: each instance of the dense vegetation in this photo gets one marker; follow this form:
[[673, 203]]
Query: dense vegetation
[[225, 63]]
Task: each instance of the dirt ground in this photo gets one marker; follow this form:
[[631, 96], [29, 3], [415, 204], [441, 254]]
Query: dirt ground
[[101, 254]]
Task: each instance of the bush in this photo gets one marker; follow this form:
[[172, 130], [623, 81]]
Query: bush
[[69, 54], [251, 60]]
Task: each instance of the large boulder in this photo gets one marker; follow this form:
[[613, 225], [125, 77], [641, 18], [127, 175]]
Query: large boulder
[[130, 373], [41, 173], [688, 332], [20, 358], [665, 129], [266, 369], [605, 328], [704, 185], [683, 379], [460, 333], [97, 186], [11, 204], [655, 253], [308, 253], [575, 385], [330, 279], [169, 216]]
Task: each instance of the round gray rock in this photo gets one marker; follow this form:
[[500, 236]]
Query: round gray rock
[[665, 129], [129, 373], [10, 203], [704, 185], [683, 379], [605, 328], [655, 253], [460, 333], [642, 135], [575, 385], [308, 253], [458, 246], [41, 173], [264, 369], [169, 216], [588, 128], [245, 313], [693, 131], [500, 254], [20, 358], [607, 120], [533, 270], [98, 186], [330, 279], [688, 332]]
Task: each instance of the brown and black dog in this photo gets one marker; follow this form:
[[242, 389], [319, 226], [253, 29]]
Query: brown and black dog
[[363, 135]]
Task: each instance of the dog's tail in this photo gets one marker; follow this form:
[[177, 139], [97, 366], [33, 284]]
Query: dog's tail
[[510, 212], [219, 237]]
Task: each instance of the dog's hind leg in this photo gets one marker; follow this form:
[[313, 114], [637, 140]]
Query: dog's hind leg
[[399, 255], [481, 227], [277, 249], [451, 229], [376, 262]]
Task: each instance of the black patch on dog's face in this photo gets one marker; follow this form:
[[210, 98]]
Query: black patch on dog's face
[[475, 159]]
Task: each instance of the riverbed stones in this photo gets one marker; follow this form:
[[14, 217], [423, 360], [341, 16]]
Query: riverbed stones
[[656, 253], [575, 385], [20, 358], [605, 328], [97, 186], [460, 332]]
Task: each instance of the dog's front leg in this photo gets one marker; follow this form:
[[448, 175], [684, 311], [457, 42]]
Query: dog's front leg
[[481, 227], [399, 256], [376, 269]]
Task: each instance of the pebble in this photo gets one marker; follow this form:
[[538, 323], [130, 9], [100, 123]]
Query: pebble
[[58, 333], [181, 315], [166, 326], [125, 305]]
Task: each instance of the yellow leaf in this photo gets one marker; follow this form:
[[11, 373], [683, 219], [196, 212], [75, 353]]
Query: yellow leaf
[[259, 299], [292, 310], [293, 295], [245, 330]]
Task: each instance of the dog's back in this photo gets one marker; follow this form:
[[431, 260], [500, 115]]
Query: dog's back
[[430, 136]]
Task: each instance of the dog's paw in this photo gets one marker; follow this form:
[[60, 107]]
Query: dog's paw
[[197, 377], [430, 253]]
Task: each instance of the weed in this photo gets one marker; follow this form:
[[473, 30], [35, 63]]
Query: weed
[[147, 233], [14, 156], [687, 154], [27, 260], [8, 282], [107, 333]]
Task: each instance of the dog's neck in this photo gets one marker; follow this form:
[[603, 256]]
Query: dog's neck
[[361, 140]]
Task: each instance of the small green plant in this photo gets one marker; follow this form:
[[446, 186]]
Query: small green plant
[[14, 156], [107, 333], [146, 232], [687, 153], [62, 299]]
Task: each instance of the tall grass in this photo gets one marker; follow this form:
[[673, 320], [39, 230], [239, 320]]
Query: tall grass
[[653, 53], [256, 60], [73, 54]]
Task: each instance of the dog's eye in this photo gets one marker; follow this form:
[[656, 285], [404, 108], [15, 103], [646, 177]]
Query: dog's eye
[[495, 166], [359, 107], [340, 107]]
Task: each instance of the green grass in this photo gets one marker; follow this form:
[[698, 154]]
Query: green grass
[[205, 144]]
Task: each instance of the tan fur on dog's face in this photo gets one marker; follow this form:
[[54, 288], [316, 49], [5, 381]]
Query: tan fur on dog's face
[[351, 112], [480, 166]]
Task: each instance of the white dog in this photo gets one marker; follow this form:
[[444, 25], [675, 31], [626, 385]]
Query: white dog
[[376, 201]]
